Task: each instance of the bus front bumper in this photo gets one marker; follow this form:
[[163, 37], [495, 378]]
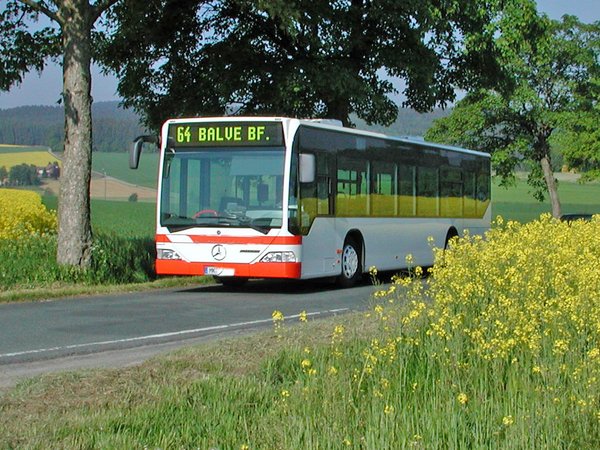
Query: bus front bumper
[[256, 270]]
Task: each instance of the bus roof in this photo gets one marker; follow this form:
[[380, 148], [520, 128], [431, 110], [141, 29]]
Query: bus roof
[[334, 125]]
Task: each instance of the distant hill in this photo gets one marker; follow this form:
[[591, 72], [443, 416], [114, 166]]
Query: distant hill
[[114, 128], [409, 123]]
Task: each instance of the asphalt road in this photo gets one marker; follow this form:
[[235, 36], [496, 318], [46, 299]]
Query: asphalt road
[[119, 330]]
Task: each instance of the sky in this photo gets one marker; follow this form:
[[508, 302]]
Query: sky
[[45, 88]]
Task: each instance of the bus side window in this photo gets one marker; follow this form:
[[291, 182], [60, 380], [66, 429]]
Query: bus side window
[[323, 184], [427, 191], [383, 189], [314, 196], [406, 191], [352, 184], [451, 192]]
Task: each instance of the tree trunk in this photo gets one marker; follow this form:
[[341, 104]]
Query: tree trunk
[[74, 226], [339, 109], [551, 185]]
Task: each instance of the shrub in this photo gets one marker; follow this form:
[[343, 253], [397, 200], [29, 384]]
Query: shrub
[[23, 175], [117, 259], [30, 262], [28, 249]]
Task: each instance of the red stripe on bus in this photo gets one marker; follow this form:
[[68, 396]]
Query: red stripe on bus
[[258, 270], [267, 240]]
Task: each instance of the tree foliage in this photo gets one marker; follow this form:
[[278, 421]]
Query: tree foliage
[[21, 48], [23, 175], [548, 68], [579, 138], [302, 58]]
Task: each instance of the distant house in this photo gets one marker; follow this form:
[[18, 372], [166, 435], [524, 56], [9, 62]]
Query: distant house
[[51, 170]]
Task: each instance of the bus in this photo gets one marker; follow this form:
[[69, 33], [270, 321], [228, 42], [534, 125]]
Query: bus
[[270, 197]]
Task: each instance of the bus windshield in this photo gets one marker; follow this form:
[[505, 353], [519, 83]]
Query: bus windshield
[[222, 187]]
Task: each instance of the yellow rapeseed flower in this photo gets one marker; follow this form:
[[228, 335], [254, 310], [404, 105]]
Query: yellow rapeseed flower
[[508, 421], [22, 214]]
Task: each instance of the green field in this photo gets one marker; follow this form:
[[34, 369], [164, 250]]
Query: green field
[[38, 157], [116, 165], [516, 203], [132, 219], [9, 148]]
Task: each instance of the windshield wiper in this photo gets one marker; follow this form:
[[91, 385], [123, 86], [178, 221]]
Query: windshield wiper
[[175, 228], [212, 221]]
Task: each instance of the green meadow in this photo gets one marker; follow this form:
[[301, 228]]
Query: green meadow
[[517, 203], [9, 148], [116, 165], [132, 219]]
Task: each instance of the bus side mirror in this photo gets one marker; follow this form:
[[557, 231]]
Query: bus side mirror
[[308, 168], [136, 150]]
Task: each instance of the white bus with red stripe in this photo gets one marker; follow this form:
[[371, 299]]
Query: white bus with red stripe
[[249, 197]]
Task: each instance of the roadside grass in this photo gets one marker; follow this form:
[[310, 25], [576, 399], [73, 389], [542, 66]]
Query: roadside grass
[[64, 289], [122, 254], [190, 398]]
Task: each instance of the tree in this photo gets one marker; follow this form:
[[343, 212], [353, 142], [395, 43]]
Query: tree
[[22, 50], [579, 138], [547, 67], [23, 175], [302, 58]]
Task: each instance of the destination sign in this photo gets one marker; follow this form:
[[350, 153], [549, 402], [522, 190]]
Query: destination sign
[[221, 134]]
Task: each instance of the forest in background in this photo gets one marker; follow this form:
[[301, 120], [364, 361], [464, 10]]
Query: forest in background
[[114, 128]]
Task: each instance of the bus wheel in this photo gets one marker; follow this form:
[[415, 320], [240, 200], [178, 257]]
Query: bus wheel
[[351, 266], [452, 233]]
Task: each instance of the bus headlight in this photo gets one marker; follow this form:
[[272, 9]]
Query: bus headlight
[[279, 257], [165, 253]]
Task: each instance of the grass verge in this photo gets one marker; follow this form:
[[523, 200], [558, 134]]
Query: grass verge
[[63, 289]]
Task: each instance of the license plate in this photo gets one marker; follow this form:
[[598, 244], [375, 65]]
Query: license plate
[[218, 271]]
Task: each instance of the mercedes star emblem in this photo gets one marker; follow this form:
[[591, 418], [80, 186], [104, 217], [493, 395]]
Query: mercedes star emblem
[[218, 252]]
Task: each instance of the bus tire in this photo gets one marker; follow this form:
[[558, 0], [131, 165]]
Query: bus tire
[[452, 233], [351, 264]]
